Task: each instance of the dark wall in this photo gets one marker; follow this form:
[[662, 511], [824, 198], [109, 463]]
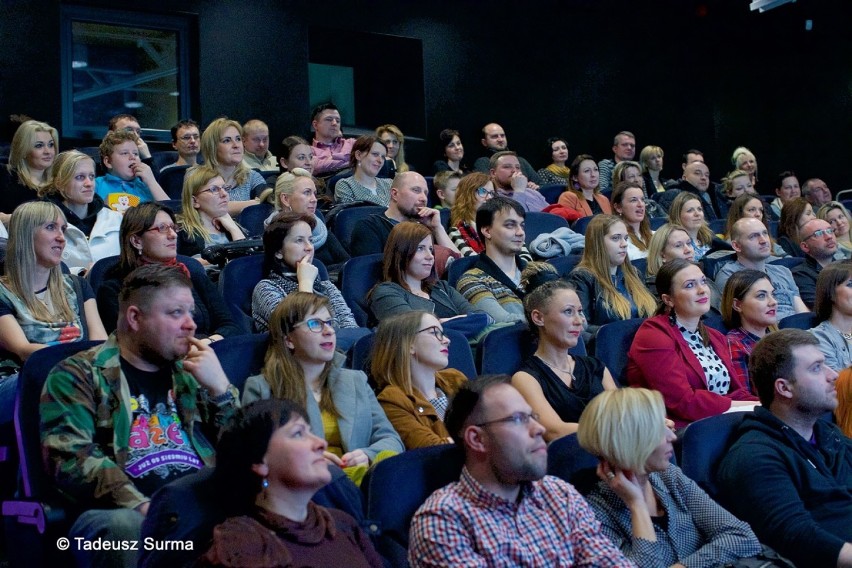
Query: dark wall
[[678, 73]]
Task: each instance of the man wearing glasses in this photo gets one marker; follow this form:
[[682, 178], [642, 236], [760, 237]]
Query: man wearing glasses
[[820, 248], [753, 247], [504, 509], [186, 140], [122, 419]]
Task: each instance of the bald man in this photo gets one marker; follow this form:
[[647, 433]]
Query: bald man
[[494, 140]]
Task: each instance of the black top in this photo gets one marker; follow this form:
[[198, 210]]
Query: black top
[[13, 192], [568, 402]]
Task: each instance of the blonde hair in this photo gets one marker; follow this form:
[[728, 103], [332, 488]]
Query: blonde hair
[[286, 184], [705, 233], [64, 168], [390, 362], [210, 142], [21, 262], [22, 144], [647, 153], [728, 181], [623, 426], [596, 261], [190, 218], [401, 166], [658, 245]]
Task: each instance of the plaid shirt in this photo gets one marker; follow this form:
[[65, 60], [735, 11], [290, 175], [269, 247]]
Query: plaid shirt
[[740, 344], [551, 525]]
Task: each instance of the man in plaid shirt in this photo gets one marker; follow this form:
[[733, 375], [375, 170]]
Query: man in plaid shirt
[[504, 511]]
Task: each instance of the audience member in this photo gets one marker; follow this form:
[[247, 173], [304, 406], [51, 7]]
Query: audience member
[[743, 159], [833, 315], [668, 242], [795, 214], [632, 172], [39, 306], [647, 507], [492, 284], [34, 147], [504, 506], [270, 465], [296, 192], [393, 139], [222, 148], [583, 195], [556, 384], [609, 287], [751, 243], [93, 228], [409, 278], [473, 190], [843, 412], [129, 123], [494, 140], [148, 235], [103, 413], [750, 205], [820, 250], [288, 255], [623, 148], [509, 181], [786, 188], [408, 363], [295, 152], [651, 159], [696, 181], [838, 216], [687, 211], [366, 160], [451, 151], [734, 184], [204, 219], [788, 473], [408, 193], [302, 365], [557, 172], [331, 150], [816, 192], [256, 144], [628, 203], [186, 140], [676, 354], [749, 310], [446, 184], [128, 181]]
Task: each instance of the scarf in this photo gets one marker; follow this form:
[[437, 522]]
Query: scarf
[[319, 234], [171, 262], [560, 171]]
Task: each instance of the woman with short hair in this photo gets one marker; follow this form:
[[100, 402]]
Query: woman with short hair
[[557, 173]]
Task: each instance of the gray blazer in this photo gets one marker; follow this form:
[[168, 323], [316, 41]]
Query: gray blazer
[[389, 299], [362, 422], [833, 346]]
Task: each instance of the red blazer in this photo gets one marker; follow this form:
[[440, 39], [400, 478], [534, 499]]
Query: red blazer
[[570, 200], [660, 359]]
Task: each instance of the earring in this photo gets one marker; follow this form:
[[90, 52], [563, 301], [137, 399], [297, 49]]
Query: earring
[[265, 483], [672, 316]]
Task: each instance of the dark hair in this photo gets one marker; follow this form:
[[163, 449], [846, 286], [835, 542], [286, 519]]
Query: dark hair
[[643, 239], [136, 221], [139, 287], [772, 358], [364, 144], [465, 407], [737, 211], [287, 145], [784, 175], [321, 107], [187, 123], [444, 138], [400, 248], [242, 443], [828, 280], [736, 288], [573, 183], [548, 156], [274, 235], [114, 120], [691, 151], [663, 283], [788, 225], [486, 212]]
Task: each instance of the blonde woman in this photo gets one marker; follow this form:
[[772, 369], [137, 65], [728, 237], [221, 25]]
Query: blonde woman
[[838, 217], [688, 212], [394, 141], [743, 159], [651, 159], [31, 156], [607, 284], [204, 220]]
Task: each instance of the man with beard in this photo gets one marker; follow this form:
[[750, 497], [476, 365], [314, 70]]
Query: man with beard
[[125, 418], [509, 181], [504, 510], [407, 203], [494, 140]]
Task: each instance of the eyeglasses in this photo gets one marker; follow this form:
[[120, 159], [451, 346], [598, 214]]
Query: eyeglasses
[[137, 131], [484, 192], [164, 228], [213, 190], [315, 325], [518, 419], [188, 137], [820, 232], [434, 330]]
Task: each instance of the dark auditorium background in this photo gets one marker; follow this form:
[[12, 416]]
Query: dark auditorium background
[[678, 73]]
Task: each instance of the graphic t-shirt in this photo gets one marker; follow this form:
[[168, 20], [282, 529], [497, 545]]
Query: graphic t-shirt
[[159, 450]]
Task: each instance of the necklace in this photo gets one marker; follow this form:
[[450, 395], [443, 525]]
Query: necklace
[[846, 335], [555, 368]]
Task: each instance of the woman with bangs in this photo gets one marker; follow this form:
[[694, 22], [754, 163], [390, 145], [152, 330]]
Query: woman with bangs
[[408, 363], [749, 312], [838, 217], [34, 147], [647, 507], [205, 220], [651, 160], [686, 210], [628, 202], [607, 284], [473, 190], [222, 148], [302, 365], [393, 139], [410, 281], [93, 228]]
